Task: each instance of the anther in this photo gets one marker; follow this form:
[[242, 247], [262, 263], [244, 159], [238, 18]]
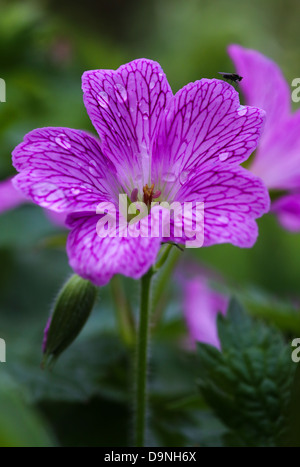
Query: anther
[[134, 195]]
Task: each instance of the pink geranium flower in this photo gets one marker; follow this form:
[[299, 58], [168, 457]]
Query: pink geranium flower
[[201, 305], [277, 160], [11, 198], [153, 145]]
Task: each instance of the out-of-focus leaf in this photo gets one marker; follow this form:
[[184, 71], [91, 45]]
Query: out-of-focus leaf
[[20, 425], [285, 314], [248, 384]]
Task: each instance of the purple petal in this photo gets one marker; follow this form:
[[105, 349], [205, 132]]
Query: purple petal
[[10, 198], [278, 161], [277, 157], [201, 306], [233, 198], [263, 85], [63, 169], [57, 218], [98, 259], [205, 122], [287, 210], [125, 107]]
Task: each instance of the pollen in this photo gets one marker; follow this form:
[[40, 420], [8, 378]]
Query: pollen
[[150, 194]]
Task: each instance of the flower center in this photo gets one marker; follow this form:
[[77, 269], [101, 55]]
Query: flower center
[[149, 194]]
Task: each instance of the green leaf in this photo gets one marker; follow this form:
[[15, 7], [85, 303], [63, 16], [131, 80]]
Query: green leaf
[[248, 383], [20, 425]]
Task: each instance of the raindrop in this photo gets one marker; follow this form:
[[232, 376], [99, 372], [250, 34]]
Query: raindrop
[[242, 110], [143, 146], [87, 241], [93, 168], [223, 220], [121, 92], [145, 117], [49, 191], [151, 85], [103, 99], [223, 156], [184, 176], [143, 155], [75, 191], [169, 177], [63, 141], [139, 177]]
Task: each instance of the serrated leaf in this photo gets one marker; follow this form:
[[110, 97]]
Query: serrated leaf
[[248, 383]]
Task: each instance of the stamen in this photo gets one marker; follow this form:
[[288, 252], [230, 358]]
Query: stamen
[[134, 195], [149, 195], [156, 194]]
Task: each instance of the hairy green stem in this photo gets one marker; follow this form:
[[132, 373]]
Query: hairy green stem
[[142, 349], [142, 360]]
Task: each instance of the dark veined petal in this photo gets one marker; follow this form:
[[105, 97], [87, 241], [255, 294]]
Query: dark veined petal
[[263, 85], [205, 122], [63, 169], [125, 107], [98, 259], [233, 198]]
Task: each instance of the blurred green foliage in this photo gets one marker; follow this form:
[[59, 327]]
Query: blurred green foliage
[[44, 48]]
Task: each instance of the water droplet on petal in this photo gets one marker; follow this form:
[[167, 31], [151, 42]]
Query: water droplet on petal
[[145, 116], [138, 178], [184, 176], [42, 188], [87, 241], [75, 191], [93, 168], [223, 220], [48, 191], [121, 92], [152, 84], [242, 110], [169, 177], [63, 141], [103, 99], [143, 146], [223, 156]]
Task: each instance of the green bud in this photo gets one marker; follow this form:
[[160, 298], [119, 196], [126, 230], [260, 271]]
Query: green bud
[[71, 310]]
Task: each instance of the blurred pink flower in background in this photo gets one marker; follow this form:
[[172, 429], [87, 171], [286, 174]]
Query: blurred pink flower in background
[[277, 159], [11, 198], [201, 305]]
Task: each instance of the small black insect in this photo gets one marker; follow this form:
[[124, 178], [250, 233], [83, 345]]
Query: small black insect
[[231, 77]]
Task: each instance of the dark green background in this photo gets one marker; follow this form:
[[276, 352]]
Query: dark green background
[[44, 49]]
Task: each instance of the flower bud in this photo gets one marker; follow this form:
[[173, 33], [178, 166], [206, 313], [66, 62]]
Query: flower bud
[[71, 310]]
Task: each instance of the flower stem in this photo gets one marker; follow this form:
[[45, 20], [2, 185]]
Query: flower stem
[[142, 360]]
